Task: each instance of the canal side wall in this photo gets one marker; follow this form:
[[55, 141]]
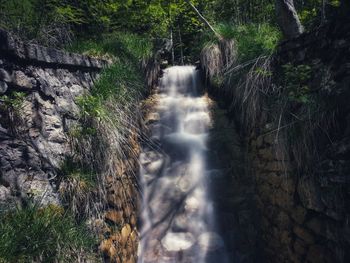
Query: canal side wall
[[302, 204]]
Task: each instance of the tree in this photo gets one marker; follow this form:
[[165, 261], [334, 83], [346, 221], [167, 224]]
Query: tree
[[203, 19], [288, 19]]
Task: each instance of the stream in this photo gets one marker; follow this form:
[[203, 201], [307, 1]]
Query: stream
[[178, 222]]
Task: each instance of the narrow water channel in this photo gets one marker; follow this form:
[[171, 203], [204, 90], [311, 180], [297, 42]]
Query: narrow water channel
[[178, 222]]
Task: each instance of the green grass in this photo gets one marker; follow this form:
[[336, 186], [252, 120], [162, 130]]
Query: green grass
[[76, 171], [12, 101], [252, 40], [120, 45], [122, 82], [108, 118], [42, 235]]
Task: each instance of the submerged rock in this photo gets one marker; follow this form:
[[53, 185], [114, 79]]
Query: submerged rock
[[175, 242]]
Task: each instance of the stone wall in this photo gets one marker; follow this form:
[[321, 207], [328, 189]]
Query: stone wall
[[38, 88], [232, 188], [39, 91], [303, 214]]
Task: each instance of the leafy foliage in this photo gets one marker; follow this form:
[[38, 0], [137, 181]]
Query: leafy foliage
[[296, 80], [313, 12]]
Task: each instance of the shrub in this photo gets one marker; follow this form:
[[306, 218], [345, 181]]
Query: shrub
[[42, 234]]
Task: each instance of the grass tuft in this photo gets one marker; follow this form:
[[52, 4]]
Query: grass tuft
[[117, 46], [42, 234]]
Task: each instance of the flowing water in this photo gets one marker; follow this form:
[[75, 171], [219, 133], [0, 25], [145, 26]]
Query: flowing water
[[177, 213]]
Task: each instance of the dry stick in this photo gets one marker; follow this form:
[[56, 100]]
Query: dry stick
[[205, 21]]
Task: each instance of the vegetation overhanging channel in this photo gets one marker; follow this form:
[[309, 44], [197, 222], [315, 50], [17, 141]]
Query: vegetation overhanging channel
[[202, 115]]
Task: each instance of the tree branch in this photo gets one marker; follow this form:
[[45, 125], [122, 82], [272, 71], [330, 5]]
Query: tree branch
[[205, 21]]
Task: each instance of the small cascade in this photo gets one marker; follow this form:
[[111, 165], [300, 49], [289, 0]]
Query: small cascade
[[177, 217]]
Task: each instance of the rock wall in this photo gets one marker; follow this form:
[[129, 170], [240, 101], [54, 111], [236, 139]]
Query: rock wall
[[232, 188], [303, 214], [120, 236], [38, 91]]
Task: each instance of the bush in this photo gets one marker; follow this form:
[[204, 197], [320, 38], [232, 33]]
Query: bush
[[42, 234]]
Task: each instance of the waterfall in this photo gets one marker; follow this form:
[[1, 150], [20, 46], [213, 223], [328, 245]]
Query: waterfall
[[177, 216]]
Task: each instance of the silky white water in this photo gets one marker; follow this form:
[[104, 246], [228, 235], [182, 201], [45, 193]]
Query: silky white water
[[177, 213]]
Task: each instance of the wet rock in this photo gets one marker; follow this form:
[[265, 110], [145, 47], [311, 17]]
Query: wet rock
[[192, 204], [184, 184], [180, 223], [175, 242], [154, 167], [3, 87], [153, 251]]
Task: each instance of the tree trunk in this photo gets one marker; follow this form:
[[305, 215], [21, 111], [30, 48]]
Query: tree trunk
[[181, 48], [172, 47], [288, 19]]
